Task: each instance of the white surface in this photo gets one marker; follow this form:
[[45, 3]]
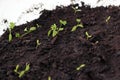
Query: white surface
[[16, 10]]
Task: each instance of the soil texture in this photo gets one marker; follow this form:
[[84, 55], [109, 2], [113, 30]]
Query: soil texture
[[59, 56]]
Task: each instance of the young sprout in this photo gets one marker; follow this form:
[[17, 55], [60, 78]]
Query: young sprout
[[27, 31], [80, 67], [76, 9], [49, 78], [79, 24], [107, 19], [54, 30], [38, 43], [17, 35], [22, 73], [88, 35], [12, 25], [62, 22]]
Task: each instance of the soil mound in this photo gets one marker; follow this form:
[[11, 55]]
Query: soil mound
[[91, 52]]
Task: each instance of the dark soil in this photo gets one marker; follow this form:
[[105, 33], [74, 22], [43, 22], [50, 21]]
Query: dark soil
[[60, 56]]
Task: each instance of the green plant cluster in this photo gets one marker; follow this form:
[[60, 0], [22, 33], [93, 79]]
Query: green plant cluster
[[54, 30], [17, 35], [22, 73], [27, 31], [79, 24]]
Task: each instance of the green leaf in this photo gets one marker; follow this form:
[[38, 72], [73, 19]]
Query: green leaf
[[78, 20], [78, 10], [27, 67], [54, 33], [61, 29], [80, 67], [16, 69], [54, 27], [80, 25], [32, 29], [26, 29], [49, 78], [74, 28], [21, 74], [17, 35], [49, 32], [10, 37], [63, 22], [12, 25]]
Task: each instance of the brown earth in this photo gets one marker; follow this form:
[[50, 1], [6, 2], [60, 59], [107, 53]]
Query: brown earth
[[60, 56]]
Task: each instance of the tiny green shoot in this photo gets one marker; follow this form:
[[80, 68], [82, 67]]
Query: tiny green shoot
[[54, 30], [88, 35], [107, 19], [49, 78], [22, 73], [79, 24], [12, 25], [26, 30], [76, 9], [37, 43], [62, 22], [80, 67], [17, 35]]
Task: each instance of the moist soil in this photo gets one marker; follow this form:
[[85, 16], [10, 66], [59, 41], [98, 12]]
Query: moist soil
[[59, 56]]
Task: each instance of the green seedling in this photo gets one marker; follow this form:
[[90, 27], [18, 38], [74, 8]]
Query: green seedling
[[17, 35], [49, 78], [22, 73], [54, 30], [62, 22], [107, 19], [88, 35], [12, 25], [80, 67], [79, 24], [76, 9], [37, 43], [27, 31]]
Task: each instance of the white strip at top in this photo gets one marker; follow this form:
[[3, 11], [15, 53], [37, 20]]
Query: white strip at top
[[17, 10]]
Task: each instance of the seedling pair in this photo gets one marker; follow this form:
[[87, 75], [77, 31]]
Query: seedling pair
[[79, 24], [27, 31], [54, 30], [22, 73], [12, 25]]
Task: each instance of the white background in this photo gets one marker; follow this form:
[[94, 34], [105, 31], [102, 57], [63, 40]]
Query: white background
[[15, 10]]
